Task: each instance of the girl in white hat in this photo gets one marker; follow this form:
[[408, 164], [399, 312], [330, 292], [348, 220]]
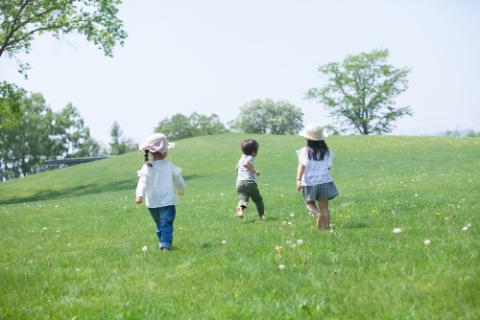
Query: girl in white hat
[[157, 180], [313, 174]]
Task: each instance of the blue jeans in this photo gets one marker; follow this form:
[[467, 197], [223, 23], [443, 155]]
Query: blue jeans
[[164, 217]]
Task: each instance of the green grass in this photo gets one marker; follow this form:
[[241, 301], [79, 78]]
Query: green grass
[[71, 240]]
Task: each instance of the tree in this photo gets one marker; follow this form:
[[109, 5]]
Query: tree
[[38, 133], [10, 101], [22, 20], [119, 144], [180, 126], [268, 116], [360, 92]]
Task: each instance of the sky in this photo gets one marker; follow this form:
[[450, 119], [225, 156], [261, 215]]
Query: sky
[[213, 56]]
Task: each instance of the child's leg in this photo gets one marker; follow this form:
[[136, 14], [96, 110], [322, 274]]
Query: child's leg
[[312, 208], [167, 216], [257, 199], [243, 199], [155, 213], [324, 218]]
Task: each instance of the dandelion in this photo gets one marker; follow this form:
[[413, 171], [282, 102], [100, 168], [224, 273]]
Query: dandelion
[[299, 242], [465, 228], [44, 228], [224, 242], [426, 242], [281, 267], [289, 223], [292, 214], [278, 249], [144, 248], [397, 230]]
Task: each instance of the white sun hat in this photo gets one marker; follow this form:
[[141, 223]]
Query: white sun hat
[[157, 142], [314, 132]]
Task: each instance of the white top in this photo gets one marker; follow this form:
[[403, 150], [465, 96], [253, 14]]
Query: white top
[[159, 181], [243, 173], [316, 172]]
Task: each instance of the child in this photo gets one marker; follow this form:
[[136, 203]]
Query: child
[[313, 174], [158, 178], [246, 185]]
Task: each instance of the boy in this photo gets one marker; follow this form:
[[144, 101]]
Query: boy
[[246, 185]]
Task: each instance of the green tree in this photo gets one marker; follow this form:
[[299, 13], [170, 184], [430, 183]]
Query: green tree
[[268, 116], [39, 134], [360, 92], [180, 126], [10, 104], [120, 144], [22, 20]]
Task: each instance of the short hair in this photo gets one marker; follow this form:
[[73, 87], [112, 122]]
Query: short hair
[[249, 146]]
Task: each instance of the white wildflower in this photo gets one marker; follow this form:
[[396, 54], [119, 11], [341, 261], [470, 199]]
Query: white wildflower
[[426, 242], [468, 225], [281, 267], [397, 230], [465, 228], [299, 242], [224, 241], [292, 214], [144, 248]]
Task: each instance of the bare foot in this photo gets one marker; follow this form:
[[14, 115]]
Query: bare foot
[[240, 212]]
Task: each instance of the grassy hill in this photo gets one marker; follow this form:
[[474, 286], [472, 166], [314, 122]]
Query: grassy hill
[[71, 240]]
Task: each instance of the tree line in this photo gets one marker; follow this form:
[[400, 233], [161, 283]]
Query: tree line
[[358, 92]]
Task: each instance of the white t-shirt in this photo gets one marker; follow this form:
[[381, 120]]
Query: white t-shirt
[[158, 181], [243, 173], [316, 172]]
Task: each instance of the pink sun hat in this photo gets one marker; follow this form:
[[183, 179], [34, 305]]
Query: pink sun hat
[[157, 142]]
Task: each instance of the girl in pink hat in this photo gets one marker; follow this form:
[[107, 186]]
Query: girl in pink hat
[[313, 174], [156, 184]]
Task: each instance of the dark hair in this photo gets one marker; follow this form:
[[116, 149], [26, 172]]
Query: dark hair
[[249, 146], [317, 150], [146, 158]]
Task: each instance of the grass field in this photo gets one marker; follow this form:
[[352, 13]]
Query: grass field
[[71, 240]]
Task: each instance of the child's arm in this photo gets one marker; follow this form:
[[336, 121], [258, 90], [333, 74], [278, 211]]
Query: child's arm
[[250, 168], [300, 171], [178, 181], [140, 192]]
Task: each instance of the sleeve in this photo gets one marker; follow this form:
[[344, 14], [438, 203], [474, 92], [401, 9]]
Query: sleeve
[[330, 159], [302, 155], [142, 182], [249, 160], [178, 179]]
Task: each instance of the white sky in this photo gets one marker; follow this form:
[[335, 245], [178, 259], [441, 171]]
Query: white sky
[[213, 56]]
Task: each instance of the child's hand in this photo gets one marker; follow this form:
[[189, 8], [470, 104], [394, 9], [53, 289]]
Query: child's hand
[[138, 200], [181, 193], [299, 185]]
